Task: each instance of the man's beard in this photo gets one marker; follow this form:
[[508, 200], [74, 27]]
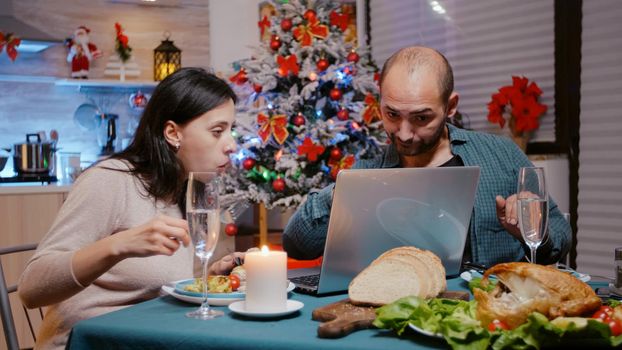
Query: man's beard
[[423, 147]]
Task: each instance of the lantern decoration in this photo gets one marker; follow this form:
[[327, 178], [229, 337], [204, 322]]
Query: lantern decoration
[[166, 59]]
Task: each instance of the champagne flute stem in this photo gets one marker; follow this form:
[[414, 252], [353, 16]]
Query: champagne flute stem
[[205, 304], [533, 254]]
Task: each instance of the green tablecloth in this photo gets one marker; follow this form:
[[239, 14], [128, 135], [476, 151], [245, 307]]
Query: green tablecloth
[[161, 323]]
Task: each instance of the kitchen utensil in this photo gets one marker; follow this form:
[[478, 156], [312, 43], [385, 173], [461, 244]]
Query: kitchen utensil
[[34, 157], [87, 116]]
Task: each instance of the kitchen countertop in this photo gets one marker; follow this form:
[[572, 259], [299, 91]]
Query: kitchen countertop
[[33, 188]]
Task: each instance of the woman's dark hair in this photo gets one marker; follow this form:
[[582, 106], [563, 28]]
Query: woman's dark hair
[[181, 97]]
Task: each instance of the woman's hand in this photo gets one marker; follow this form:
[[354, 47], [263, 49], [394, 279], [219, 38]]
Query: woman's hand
[[161, 235], [226, 264]]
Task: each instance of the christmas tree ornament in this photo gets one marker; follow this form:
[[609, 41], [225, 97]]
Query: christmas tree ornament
[[263, 24], [310, 15], [248, 163], [353, 57], [239, 78], [322, 64], [337, 165], [305, 33], [287, 64], [138, 101], [276, 125], [372, 109], [312, 76], [278, 185], [310, 149], [231, 229], [335, 154], [335, 94], [339, 20], [343, 114], [257, 88], [286, 24], [298, 120], [275, 42]]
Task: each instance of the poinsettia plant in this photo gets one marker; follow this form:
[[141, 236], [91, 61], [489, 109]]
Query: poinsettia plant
[[121, 44], [518, 105]]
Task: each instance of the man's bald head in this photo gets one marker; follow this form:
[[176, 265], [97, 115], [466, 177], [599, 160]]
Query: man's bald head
[[417, 58]]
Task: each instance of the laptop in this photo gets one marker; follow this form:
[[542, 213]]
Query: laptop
[[375, 210]]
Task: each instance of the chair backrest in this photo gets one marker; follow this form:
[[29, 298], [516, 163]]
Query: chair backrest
[[8, 323]]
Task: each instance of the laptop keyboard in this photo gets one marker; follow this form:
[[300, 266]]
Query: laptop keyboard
[[309, 280]]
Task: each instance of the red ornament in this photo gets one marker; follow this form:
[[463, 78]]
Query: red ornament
[[299, 120], [322, 64], [286, 24], [343, 114], [335, 154], [335, 94], [248, 163], [257, 88], [231, 229], [278, 185], [353, 56], [275, 42], [310, 15]]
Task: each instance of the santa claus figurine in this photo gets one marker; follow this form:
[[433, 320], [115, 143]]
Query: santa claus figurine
[[81, 53]]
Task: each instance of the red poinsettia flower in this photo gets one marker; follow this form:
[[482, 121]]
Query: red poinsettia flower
[[526, 113]]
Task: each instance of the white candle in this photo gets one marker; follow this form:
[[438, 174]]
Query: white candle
[[266, 278]]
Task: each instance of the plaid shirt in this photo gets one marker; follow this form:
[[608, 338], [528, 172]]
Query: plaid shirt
[[499, 160]]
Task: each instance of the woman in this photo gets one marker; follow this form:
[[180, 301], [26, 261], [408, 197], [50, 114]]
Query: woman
[[121, 234]]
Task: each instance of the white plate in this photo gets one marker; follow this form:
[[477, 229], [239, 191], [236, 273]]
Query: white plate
[[239, 308], [468, 275], [169, 289], [425, 332]]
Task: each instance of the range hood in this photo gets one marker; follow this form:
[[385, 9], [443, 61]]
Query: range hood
[[33, 39]]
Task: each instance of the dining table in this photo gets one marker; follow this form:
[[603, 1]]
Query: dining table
[[161, 323]]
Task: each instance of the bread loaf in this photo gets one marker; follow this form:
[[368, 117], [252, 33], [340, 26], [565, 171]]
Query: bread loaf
[[397, 273]]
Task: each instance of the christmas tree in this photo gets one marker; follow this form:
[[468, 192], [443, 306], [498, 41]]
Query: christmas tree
[[309, 106]]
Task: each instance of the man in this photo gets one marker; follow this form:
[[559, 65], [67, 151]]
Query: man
[[417, 97]]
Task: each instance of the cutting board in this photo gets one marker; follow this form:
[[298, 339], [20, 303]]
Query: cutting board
[[342, 317]]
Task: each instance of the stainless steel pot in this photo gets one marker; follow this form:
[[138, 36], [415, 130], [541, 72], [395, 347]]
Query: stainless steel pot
[[34, 157]]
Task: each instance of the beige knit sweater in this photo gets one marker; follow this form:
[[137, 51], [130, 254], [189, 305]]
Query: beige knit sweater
[[101, 203]]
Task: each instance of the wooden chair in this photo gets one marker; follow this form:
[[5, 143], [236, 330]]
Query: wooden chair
[[8, 323]]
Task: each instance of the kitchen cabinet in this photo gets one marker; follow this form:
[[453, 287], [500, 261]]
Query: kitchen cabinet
[[26, 214]]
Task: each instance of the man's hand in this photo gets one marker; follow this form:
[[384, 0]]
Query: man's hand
[[507, 214]]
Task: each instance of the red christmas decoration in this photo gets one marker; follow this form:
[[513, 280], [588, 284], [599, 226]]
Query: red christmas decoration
[[278, 185], [343, 114], [263, 24], [257, 88], [299, 120], [353, 57], [12, 42], [521, 101], [338, 165], [248, 163], [286, 24], [305, 33], [287, 64], [231, 229], [335, 154], [275, 42], [340, 20], [372, 109], [239, 77], [310, 15], [322, 64], [275, 125], [310, 149], [335, 94]]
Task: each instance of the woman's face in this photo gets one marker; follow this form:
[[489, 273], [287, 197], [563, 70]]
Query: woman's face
[[206, 141]]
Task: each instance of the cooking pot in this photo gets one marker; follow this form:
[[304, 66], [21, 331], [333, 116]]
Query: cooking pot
[[34, 157]]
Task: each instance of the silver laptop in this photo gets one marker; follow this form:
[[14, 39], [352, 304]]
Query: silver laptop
[[375, 210]]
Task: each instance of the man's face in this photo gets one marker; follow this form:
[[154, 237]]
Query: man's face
[[413, 113]]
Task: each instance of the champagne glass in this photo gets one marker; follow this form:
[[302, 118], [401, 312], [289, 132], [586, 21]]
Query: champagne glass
[[203, 213], [533, 207]]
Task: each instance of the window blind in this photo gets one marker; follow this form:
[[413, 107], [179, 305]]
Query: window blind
[[600, 158], [486, 43]]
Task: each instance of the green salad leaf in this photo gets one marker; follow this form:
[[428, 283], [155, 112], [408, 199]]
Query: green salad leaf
[[476, 282]]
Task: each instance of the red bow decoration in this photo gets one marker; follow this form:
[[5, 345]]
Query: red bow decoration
[[340, 20], [263, 24], [337, 165], [120, 36], [275, 125], [11, 42], [305, 33], [239, 77], [522, 98], [287, 64], [372, 109], [310, 149]]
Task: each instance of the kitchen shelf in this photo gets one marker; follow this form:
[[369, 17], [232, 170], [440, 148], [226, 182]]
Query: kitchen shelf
[[28, 78], [107, 85]]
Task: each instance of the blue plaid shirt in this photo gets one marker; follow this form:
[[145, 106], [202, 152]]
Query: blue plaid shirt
[[499, 160]]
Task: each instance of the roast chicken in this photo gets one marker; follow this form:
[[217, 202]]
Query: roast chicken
[[523, 288]]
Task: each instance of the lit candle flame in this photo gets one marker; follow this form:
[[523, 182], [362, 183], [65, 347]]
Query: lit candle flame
[[264, 250]]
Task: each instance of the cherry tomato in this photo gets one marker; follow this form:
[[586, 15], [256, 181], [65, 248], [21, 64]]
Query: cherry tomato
[[603, 314], [497, 324], [615, 326], [234, 282]]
